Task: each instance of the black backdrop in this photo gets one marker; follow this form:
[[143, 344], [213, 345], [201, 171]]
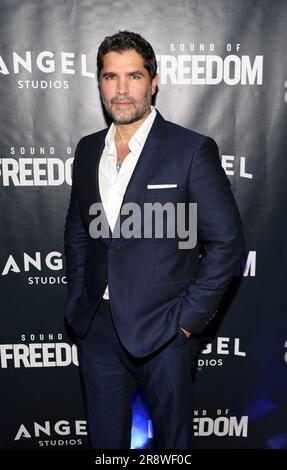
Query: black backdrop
[[223, 73]]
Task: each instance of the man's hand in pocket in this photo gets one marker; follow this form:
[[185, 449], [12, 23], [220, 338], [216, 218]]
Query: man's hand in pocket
[[187, 333]]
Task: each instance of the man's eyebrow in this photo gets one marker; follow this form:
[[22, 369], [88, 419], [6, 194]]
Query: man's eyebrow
[[138, 72]]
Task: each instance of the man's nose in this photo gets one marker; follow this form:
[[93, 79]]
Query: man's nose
[[122, 86]]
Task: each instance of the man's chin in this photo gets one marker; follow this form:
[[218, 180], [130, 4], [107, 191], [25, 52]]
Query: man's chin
[[124, 119], [124, 116], [122, 122]]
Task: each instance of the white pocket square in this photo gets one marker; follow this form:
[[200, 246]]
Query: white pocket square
[[161, 186]]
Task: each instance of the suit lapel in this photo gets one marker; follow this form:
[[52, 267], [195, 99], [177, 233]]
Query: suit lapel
[[100, 145], [148, 162]]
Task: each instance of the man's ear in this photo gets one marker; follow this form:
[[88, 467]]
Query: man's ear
[[154, 83]]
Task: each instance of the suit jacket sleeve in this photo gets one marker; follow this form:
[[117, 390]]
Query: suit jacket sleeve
[[219, 232], [75, 237]]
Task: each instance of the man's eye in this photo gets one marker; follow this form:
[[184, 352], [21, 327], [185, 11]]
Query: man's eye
[[109, 77], [136, 77]]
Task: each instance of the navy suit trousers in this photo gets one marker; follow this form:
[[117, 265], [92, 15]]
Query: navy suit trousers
[[110, 376]]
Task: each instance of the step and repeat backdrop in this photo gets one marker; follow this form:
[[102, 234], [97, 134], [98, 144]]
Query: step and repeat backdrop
[[223, 72]]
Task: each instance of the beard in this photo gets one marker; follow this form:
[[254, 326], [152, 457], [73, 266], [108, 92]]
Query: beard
[[135, 111]]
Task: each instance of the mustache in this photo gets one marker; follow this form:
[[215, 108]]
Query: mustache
[[122, 99]]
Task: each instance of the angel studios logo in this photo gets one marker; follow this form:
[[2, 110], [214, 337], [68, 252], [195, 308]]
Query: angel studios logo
[[61, 433], [39, 268], [214, 353], [45, 69]]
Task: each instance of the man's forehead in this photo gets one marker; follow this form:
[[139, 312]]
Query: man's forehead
[[129, 58]]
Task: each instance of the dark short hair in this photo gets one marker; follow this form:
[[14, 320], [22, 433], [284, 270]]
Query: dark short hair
[[124, 41]]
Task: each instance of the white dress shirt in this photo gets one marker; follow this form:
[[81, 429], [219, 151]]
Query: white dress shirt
[[112, 183]]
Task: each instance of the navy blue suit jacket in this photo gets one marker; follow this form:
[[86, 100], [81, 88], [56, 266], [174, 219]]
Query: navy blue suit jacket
[[154, 286]]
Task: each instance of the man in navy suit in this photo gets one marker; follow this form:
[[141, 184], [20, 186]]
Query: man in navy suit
[[138, 304]]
